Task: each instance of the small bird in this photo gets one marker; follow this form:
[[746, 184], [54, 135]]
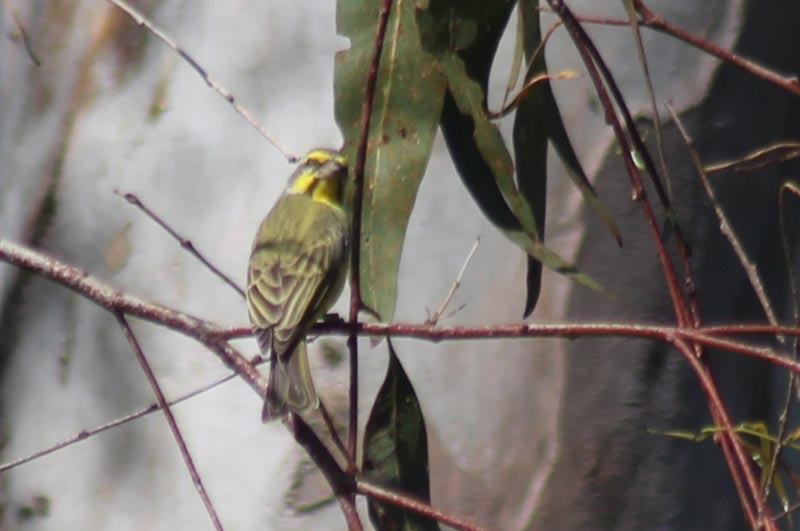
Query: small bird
[[296, 272]]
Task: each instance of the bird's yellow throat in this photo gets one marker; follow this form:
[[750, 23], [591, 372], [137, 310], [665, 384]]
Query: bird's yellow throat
[[327, 190]]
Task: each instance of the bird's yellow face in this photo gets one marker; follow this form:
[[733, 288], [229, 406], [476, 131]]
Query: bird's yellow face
[[321, 174]]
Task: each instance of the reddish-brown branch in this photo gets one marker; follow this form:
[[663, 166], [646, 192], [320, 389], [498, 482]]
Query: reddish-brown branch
[[436, 333], [731, 443], [656, 22], [342, 483], [377, 492], [593, 61], [215, 337], [601, 76], [355, 239], [171, 422]]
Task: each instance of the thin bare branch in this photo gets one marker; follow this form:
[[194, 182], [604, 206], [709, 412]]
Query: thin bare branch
[[341, 482], [86, 434], [637, 36], [725, 227], [760, 158], [792, 385], [115, 300], [186, 244], [141, 20], [214, 337], [173, 424], [377, 492], [326, 418], [656, 22], [434, 319], [26, 40], [651, 20]]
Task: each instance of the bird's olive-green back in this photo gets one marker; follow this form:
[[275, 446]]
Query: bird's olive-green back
[[297, 269]]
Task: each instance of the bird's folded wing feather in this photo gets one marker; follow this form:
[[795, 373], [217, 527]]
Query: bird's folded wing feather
[[285, 286]]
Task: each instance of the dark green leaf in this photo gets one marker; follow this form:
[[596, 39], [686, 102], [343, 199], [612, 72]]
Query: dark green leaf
[[396, 450], [464, 36], [408, 101], [530, 148], [450, 28], [529, 15]]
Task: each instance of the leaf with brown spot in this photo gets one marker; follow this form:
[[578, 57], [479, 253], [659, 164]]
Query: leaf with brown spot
[[408, 100]]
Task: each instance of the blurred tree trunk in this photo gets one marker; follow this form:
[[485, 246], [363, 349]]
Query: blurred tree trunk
[[612, 473]]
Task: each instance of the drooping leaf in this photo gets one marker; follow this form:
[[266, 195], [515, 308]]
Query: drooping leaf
[[408, 100], [556, 132], [490, 145], [450, 29], [464, 36], [530, 147], [396, 450]]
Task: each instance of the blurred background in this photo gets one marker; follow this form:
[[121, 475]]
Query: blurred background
[[522, 434]]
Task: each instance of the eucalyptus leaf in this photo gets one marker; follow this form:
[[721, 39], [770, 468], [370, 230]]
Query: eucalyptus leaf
[[464, 37], [556, 132], [530, 149], [396, 449], [408, 100]]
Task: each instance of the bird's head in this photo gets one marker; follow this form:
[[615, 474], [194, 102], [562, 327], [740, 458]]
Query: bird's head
[[321, 174]]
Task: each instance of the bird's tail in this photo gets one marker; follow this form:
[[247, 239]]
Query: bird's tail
[[290, 385]]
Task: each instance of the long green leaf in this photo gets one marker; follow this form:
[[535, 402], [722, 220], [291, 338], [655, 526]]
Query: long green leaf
[[464, 34], [530, 150], [396, 450], [556, 132], [490, 144], [409, 94]]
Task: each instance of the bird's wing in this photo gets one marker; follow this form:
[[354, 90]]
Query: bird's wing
[[285, 287]]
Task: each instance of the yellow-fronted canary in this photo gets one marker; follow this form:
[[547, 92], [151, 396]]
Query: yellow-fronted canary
[[296, 272]]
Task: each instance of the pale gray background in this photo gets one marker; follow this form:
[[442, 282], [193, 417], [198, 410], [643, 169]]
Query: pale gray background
[[492, 407]]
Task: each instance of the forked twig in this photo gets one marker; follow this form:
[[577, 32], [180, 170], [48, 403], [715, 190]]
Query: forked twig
[[434, 319]]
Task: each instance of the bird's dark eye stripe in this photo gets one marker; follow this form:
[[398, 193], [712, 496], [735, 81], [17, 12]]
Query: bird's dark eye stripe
[[313, 163]]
